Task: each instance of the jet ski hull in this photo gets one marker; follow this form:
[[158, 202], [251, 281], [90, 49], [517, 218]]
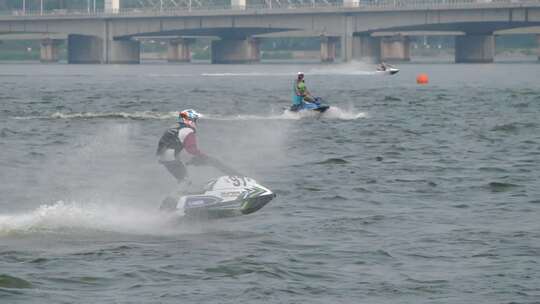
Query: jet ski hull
[[226, 196], [390, 71], [316, 106], [221, 209]]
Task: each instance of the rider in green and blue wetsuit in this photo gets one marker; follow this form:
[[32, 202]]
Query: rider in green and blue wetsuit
[[301, 93]]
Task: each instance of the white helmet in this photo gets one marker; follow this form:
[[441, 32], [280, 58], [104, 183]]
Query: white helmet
[[190, 114], [189, 117]]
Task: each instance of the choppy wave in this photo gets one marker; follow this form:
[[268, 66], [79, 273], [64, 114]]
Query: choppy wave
[[513, 127], [5, 132], [7, 281], [501, 187], [64, 217], [333, 161]]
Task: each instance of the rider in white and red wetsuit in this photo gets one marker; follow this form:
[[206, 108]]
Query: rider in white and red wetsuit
[[180, 137]]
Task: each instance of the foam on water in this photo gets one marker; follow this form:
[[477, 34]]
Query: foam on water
[[62, 217]]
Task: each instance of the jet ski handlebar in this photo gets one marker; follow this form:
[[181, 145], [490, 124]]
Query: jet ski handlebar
[[216, 163]]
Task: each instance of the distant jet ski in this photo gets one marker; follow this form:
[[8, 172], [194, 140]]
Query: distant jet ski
[[388, 71], [316, 106], [225, 196], [385, 68]]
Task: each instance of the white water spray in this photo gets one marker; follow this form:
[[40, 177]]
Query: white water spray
[[67, 218]]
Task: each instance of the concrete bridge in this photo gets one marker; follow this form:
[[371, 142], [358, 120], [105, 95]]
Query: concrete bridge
[[111, 36]]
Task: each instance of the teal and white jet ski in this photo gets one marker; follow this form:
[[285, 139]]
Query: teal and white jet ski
[[224, 196], [317, 106]]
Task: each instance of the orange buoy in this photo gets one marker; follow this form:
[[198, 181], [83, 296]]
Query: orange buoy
[[422, 79]]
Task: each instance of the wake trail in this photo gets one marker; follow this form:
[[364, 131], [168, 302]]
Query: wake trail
[[332, 113], [140, 115], [292, 74], [355, 68]]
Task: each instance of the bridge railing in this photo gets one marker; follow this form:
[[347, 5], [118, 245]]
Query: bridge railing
[[274, 5]]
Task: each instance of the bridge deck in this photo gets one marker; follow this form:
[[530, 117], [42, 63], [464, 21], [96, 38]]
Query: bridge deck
[[316, 7]]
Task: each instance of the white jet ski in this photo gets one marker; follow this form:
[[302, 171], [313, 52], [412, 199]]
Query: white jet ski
[[225, 196], [388, 71]]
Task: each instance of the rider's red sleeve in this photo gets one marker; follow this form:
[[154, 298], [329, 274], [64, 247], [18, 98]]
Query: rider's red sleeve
[[190, 144]]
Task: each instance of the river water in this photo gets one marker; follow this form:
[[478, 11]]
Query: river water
[[400, 194]]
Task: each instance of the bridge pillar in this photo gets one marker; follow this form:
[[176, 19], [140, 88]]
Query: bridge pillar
[[123, 52], [49, 50], [178, 50], [396, 48], [347, 42], [366, 48], [537, 41], [91, 49], [235, 51], [84, 49], [474, 48], [328, 48]]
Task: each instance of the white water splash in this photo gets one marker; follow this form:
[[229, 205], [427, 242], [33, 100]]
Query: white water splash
[[64, 217], [338, 113], [332, 113]]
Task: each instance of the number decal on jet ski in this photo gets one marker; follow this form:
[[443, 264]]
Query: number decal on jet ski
[[237, 182]]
